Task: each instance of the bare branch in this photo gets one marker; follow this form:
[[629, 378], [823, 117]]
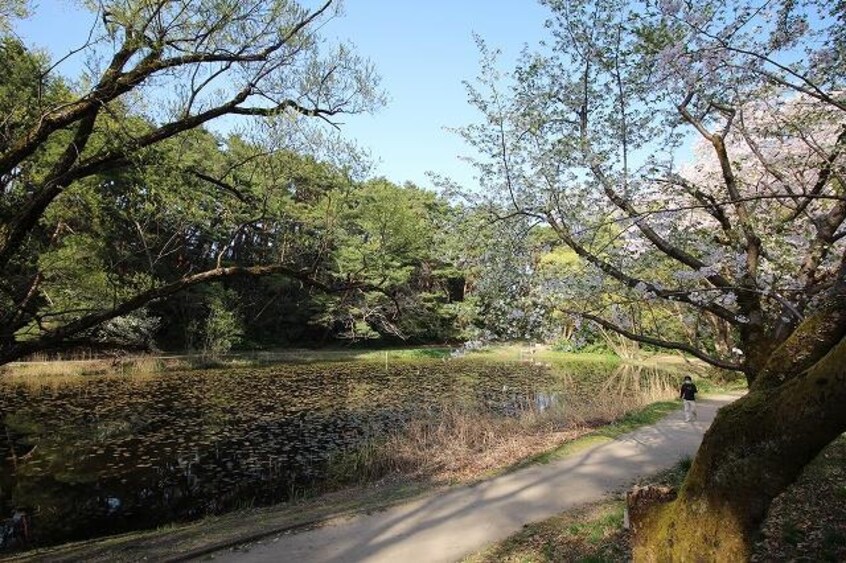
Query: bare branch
[[629, 281], [225, 186], [669, 344], [824, 174]]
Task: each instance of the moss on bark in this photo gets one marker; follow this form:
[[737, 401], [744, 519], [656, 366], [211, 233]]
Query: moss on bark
[[754, 449], [811, 341], [690, 531]]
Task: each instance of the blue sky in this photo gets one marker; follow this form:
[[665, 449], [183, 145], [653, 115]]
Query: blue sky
[[423, 50]]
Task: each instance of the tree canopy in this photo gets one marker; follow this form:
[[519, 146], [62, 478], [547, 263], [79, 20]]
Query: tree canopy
[[115, 192], [691, 157]]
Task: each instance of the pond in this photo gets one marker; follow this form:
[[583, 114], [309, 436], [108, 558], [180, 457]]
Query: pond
[[85, 457]]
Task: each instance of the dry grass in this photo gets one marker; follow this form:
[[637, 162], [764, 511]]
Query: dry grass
[[40, 366], [460, 443], [36, 373], [42, 369]]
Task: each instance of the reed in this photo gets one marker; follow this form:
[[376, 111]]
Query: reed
[[461, 442], [55, 373]]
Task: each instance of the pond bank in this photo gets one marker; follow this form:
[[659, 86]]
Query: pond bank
[[447, 526], [102, 455], [198, 538]]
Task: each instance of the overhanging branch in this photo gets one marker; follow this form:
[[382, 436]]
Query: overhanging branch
[[54, 338], [669, 344], [629, 281]]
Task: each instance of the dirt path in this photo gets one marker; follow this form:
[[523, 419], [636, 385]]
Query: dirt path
[[450, 525]]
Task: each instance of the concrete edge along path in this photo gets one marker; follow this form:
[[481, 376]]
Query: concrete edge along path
[[452, 524]]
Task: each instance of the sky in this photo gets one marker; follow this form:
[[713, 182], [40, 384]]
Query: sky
[[423, 50]]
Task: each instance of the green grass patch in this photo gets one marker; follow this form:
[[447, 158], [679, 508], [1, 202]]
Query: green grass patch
[[716, 383], [405, 354], [650, 414], [516, 352], [592, 533], [672, 477]]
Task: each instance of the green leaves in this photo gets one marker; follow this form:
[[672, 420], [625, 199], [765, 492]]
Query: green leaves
[[388, 230], [117, 178]]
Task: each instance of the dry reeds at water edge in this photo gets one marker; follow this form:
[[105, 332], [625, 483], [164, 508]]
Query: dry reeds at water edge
[[42, 372], [460, 442]]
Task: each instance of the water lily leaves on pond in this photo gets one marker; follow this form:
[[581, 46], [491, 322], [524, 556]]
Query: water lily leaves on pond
[[180, 445]]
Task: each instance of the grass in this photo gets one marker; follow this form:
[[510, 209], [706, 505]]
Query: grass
[[455, 444], [633, 420], [405, 354], [806, 523], [39, 367], [44, 367], [543, 354], [591, 533], [461, 444], [713, 380]]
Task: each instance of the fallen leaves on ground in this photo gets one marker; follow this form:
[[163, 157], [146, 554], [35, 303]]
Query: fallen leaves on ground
[[808, 521]]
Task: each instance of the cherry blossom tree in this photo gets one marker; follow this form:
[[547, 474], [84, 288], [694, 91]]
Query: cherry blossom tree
[[691, 155]]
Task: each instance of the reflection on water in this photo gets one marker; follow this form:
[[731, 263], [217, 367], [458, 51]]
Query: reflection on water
[[545, 401], [95, 456]]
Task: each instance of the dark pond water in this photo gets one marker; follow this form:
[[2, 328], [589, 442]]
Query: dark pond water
[[101, 455]]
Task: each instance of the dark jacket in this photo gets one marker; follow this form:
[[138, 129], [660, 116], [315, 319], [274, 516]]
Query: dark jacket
[[688, 391]]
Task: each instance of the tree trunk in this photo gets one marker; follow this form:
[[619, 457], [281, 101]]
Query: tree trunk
[[755, 448]]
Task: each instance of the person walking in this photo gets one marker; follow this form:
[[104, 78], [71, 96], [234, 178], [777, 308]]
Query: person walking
[[688, 395]]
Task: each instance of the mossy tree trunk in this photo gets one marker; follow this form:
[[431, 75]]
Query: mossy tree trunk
[[756, 447]]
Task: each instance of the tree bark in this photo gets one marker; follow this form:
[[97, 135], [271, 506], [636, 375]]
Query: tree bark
[[756, 447]]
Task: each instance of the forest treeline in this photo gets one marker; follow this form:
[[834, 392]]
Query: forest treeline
[[363, 258], [148, 229], [204, 200]]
